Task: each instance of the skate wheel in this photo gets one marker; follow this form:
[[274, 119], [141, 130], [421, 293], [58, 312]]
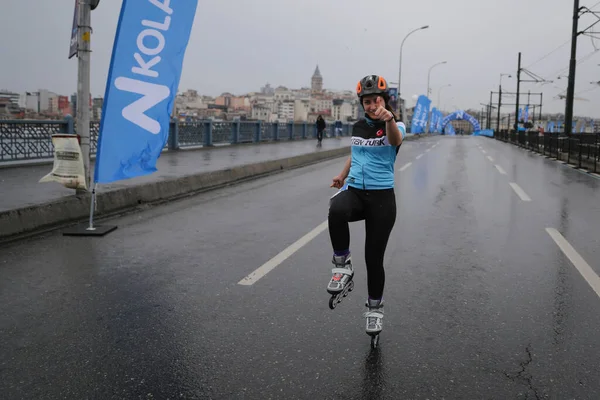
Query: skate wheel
[[332, 302], [374, 341]]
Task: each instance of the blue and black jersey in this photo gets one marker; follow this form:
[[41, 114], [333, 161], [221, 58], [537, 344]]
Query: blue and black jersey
[[373, 157]]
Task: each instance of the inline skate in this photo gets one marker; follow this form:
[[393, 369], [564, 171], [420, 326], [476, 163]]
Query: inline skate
[[341, 282], [374, 321]]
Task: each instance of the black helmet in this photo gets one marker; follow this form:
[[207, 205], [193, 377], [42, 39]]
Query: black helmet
[[372, 84]]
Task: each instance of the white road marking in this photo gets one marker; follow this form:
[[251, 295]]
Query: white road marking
[[484, 152], [419, 156], [582, 266], [427, 151], [520, 192], [499, 168], [405, 167], [281, 257], [490, 158]]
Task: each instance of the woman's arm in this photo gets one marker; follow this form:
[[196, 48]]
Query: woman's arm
[[393, 133], [338, 181]]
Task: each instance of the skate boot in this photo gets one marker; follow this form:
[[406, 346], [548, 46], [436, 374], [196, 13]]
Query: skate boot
[[341, 282], [374, 320]]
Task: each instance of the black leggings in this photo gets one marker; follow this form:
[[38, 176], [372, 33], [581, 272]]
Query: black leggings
[[378, 209]]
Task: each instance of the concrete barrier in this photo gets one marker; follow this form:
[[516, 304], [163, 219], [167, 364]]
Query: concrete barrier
[[15, 224], [70, 209]]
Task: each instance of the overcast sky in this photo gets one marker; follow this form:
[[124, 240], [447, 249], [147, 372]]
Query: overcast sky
[[239, 45]]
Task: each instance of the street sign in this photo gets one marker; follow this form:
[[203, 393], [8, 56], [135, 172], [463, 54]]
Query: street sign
[[75, 28]]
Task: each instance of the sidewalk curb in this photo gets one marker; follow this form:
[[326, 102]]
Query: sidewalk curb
[[71, 209]]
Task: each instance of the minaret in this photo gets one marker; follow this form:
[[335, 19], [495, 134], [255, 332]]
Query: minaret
[[317, 81]]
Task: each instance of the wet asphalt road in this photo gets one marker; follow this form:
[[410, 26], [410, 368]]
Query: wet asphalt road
[[480, 301]]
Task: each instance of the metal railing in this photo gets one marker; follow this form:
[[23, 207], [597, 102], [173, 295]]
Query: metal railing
[[581, 150], [22, 140]]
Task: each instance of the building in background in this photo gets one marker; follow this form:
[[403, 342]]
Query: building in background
[[270, 104], [317, 81]]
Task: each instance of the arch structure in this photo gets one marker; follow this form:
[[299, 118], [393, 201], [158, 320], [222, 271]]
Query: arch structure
[[458, 115]]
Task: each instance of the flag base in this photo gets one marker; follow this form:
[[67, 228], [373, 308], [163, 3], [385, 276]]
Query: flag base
[[83, 230]]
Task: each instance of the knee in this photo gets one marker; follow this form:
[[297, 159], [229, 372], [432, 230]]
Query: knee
[[337, 212]]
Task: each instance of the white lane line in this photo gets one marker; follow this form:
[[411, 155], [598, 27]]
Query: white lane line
[[281, 257], [427, 151], [520, 192], [483, 151], [405, 167], [419, 156], [499, 168], [582, 266], [490, 158]]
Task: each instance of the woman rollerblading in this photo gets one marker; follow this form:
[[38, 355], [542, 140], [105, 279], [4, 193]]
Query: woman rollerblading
[[370, 196]]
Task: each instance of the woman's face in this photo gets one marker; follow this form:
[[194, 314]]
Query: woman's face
[[371, 103]]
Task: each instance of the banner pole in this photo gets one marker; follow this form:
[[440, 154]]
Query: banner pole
[[92, 206]]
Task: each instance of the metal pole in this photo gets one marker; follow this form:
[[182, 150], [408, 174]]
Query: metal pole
[[401, 104], [489, 124], [572, 65], [428, 78], [439, 104], [528, 101], [429, 75], [83, 85], [92, 208], [517, 102], [499, 105]]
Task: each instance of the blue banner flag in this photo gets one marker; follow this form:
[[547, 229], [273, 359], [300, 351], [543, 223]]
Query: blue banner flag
[[439, 126], [433, 120], [143, 78], [419, 120]]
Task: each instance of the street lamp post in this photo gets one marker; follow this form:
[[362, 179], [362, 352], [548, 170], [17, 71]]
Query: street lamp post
[[429, 74], [403, 119], [428, 78], [500, 100], [439, 94]]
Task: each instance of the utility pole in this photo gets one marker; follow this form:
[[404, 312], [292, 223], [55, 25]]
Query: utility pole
[[83, 85], [572, 64], [499, 105], [517, 102], [489, 124]]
